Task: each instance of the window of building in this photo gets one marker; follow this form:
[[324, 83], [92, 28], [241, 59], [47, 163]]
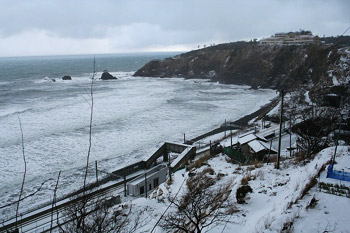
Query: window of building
[[155, 182], [142, 190]]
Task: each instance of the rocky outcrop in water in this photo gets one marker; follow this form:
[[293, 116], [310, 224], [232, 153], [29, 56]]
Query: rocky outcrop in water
[[107, 76], [66, 77], [249, 63]]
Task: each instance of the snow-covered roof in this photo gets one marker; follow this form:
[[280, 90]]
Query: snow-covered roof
[[148, 173], [262, 138], [247, 138], [181, 156], [250, 137], [258, 146]]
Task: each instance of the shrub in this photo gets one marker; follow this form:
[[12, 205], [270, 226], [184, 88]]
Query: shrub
[[245, 179], [220, 175], [250, 168], [199, 162], [169, 181], [256, 164], [313, 202], [242, 192], [208, 170]]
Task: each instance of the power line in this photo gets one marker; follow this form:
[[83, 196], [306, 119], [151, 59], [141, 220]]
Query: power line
[[171, 202], [345, 31]]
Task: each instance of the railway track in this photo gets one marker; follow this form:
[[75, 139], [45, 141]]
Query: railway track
[[41, 219]]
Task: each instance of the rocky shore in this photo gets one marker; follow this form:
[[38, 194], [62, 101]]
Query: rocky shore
[[249, 63]]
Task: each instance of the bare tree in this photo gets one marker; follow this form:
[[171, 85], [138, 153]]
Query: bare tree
[[84, 201], [100, 217], [95, 215], [77, 213], [25, 197], [313, 133], [25, 171], [90, 125], [202, 206]]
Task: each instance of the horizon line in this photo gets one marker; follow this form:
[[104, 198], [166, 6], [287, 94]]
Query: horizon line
[[91, 54]]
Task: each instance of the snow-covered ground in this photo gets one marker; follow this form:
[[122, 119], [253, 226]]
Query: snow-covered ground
[[273, 202], [331, 213]]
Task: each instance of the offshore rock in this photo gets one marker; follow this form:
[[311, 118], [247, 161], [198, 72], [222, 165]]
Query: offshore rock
[[107, 76], [66, 77]]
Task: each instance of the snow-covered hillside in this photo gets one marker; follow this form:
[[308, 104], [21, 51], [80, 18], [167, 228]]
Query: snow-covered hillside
[[279, 196]]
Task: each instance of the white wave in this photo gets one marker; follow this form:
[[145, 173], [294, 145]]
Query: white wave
[[86, 78], [4, 83]]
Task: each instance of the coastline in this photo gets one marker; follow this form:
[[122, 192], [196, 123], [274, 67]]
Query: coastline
[[239, 124]]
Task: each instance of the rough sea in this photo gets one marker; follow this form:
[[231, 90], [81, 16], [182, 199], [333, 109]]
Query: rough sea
[[132, 117]]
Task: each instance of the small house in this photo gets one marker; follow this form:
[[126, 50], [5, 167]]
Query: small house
[[259, 149], [255, 146], [243, 142], [149, 180]]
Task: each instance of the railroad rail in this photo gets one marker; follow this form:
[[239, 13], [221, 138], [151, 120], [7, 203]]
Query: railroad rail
[[43, 218]]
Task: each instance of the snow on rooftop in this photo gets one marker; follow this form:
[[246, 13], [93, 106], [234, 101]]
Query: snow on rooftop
[[258, 146], [227, 141], [268, 131], [247, 138], [178, 159]]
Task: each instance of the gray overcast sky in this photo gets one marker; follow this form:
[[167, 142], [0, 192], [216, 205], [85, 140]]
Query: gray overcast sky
[[52, 27]]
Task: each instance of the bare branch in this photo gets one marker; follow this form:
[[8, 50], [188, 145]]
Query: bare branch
[[25, 170], [171, 202], [201, 206], [54, 200], [90, 125], [23, 198]]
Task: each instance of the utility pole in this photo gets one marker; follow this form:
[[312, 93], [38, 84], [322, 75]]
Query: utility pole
[[124, 182], [184, 138], [96, 172], [225, 129], [268, 157], [146, 184], [169, 168], [339, 122], [280, 132], [210, 146], [290, 136]]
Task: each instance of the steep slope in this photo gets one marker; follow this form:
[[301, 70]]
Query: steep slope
[[249, 63]]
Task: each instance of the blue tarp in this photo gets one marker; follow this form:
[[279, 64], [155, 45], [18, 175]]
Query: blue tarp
[[338, 175]]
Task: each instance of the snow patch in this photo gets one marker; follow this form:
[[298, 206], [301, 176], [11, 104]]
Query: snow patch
[[307, 98], [335, 81]]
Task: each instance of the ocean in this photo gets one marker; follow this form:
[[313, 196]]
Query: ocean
[[132, 117]]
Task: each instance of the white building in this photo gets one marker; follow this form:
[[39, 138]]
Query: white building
[[291, 38], [148, 181]]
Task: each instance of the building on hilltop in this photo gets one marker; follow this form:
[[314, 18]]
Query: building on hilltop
[[291, 38]]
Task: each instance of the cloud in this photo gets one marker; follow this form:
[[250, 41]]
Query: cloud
[[139, 37], [65, 27], [40, 42]]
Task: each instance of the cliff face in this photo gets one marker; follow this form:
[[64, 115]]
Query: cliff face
[[249, 63]]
